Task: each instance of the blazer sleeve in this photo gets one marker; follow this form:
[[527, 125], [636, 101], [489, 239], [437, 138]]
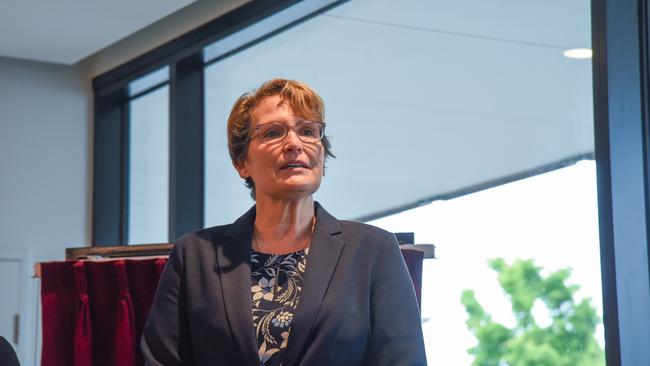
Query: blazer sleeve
[[166, 339], [396, 329]]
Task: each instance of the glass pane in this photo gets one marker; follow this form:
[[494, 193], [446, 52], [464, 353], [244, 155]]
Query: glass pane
[[149, 168], [149, 81], [254, 31], [551, 218], [426, 99], [446, 94]]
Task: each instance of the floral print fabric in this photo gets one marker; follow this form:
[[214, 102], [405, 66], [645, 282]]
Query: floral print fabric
[[276, 287]]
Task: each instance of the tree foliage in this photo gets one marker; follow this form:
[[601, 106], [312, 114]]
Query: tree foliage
[[568, 340]]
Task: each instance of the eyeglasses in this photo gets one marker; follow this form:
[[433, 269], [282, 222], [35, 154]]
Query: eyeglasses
[[308, 131]]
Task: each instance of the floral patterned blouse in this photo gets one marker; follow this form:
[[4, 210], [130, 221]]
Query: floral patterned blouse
[[276, 287]]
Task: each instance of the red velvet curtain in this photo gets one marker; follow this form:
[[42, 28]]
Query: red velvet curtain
[[94, 311]]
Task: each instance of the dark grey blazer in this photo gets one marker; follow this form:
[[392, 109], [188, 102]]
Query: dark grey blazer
[[357, 307]]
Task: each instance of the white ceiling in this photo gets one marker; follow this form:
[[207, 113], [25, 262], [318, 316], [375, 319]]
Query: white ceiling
[[66, 31]]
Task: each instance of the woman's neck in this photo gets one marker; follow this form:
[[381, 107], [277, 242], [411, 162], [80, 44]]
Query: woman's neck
[[283, 226]]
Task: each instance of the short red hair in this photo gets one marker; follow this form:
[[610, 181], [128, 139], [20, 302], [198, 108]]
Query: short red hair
[[302, 99]]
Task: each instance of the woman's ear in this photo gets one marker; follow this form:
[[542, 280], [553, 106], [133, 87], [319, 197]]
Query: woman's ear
[[242, 169]]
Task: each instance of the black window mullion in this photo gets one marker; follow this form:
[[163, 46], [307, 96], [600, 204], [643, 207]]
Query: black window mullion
[[109, 179], [186, 193], [621, 125], [126, 171]]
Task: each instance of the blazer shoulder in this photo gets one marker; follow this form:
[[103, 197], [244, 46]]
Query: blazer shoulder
[[360, 227], [201, 240], [364, 234]]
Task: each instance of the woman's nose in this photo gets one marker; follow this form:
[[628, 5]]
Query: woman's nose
[[292, 142]]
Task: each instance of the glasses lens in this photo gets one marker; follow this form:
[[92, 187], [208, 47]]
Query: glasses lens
[[272, 132], [309, 131]]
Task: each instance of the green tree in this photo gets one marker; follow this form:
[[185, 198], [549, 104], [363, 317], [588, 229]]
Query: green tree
[[567, 341]]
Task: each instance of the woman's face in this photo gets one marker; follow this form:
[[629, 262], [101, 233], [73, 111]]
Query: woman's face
[[284, 169]]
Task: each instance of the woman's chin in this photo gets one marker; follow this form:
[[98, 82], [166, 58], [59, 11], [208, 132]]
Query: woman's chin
[[299, 187], [299, 180]]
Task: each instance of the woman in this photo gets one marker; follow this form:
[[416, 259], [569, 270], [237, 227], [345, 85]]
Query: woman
[[287, 283]]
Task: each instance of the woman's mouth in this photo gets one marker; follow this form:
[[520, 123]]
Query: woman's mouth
[[294, 165]]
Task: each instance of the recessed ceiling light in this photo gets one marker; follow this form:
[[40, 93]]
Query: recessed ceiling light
[[579, 53]]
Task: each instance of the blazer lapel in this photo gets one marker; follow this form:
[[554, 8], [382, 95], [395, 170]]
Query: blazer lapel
[[324, 253], [234, 268]]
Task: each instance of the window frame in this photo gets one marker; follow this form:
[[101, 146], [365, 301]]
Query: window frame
[[621, 71]]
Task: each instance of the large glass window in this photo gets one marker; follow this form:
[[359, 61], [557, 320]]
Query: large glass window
[[431, 99]]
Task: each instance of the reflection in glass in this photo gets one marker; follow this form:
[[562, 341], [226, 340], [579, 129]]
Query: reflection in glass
[[445, 98]]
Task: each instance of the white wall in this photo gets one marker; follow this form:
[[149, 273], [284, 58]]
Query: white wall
[[44, 150], [44, 173]]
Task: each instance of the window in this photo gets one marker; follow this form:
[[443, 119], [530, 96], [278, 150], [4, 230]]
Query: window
[[473, 96]]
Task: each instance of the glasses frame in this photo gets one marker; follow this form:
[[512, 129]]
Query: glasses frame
[[287, 128]]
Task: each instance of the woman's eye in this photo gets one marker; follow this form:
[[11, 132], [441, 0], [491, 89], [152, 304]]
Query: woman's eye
[[272, 133], [307, 132]]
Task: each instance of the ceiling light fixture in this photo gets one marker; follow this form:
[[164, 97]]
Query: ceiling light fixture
[[578, 53]]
